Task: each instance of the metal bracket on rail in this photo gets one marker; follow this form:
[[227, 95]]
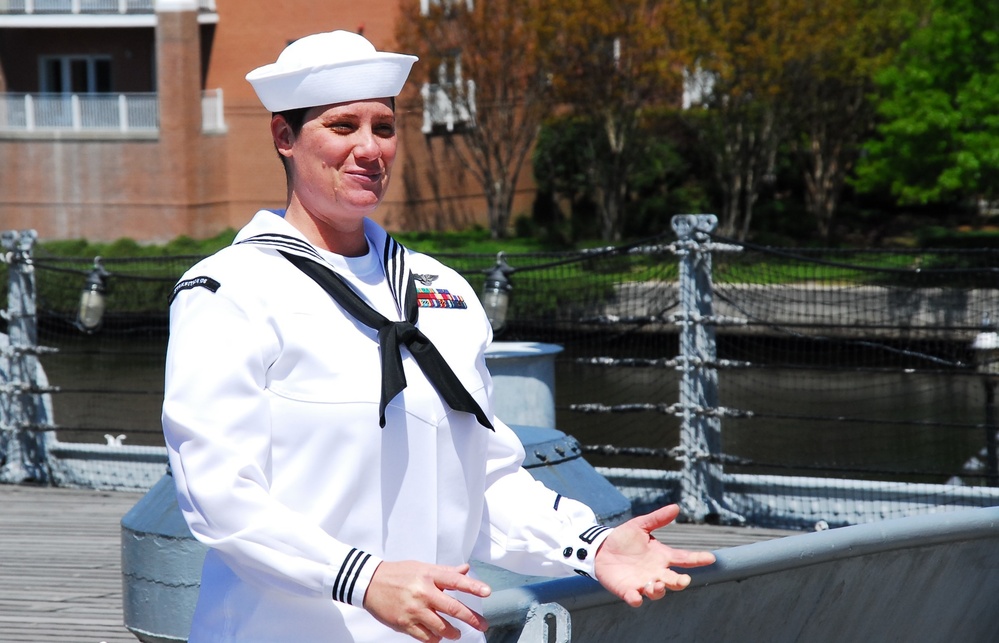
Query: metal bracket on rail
[[681, 319], [543, 623]]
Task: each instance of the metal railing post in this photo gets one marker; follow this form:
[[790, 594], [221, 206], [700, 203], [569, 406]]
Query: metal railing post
[[122, 113], [219, 111], [702, 477], [29, 113], [77, 112], [22, 443]]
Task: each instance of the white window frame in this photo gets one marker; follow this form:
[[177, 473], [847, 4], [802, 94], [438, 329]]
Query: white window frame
[[440, 113], [697, 86], [426, 4]]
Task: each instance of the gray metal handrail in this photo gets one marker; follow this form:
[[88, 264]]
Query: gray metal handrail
[[516, 614]]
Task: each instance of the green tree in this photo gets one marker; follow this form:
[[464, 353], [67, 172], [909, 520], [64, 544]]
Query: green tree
[[658, 185], [736, 54], [830, 87], [783, 74], [482, 58], [561, 176], [938, 138], [606, 61]]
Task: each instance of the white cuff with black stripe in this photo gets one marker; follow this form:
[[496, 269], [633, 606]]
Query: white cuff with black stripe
[[349, 581], [581, 551]]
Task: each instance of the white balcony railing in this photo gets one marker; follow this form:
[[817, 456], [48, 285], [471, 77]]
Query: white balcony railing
[[77, 6], [78, 112], [88, 6], [125, 113]]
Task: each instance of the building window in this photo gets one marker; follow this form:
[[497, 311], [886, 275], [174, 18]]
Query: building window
[[697, 87], [426, 4], [76, 74], [449, 103]]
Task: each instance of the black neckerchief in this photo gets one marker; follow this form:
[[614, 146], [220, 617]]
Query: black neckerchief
[[391, 335]]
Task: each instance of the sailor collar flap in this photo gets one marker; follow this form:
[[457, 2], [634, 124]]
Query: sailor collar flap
[[391, 335]]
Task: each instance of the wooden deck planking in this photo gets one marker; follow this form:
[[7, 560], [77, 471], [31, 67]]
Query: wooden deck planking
[[690, 536], [60, 562], [60, 565]]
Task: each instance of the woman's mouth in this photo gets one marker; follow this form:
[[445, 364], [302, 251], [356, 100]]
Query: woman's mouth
[[366, 177]]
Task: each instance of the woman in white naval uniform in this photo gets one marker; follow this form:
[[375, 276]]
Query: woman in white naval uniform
[[341, 476]]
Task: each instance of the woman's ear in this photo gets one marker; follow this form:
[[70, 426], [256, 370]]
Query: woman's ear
[[284, 137]]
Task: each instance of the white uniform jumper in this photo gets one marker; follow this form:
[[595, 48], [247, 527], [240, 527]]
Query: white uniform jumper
[[271, 423]]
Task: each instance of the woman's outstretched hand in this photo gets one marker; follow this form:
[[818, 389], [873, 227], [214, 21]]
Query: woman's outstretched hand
[[409, 597], [631, 563]]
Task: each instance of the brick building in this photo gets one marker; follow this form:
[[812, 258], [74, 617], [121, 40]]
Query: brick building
[[132, 118]]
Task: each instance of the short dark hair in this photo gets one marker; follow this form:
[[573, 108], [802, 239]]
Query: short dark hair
[[294, 117]]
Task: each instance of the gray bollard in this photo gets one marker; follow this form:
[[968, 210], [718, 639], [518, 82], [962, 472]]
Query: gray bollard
[[523, 382], [160, 567]]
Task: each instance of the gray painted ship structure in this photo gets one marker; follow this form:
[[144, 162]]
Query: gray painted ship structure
[[927, 577]]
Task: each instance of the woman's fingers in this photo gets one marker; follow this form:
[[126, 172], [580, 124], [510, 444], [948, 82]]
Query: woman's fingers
[[456, 609], [456, 578], [410, 597]]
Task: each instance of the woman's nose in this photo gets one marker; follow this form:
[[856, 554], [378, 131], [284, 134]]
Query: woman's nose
[[366, 145]]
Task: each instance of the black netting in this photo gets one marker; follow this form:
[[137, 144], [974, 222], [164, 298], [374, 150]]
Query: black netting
[[849, 364], [860, 363]]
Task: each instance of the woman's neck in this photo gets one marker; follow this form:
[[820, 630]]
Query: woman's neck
[[346, 239]]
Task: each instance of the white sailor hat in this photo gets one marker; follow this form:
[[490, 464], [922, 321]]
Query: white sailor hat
[[326, 68]]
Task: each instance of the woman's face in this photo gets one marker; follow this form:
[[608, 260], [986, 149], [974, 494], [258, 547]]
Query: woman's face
[[341, 159]]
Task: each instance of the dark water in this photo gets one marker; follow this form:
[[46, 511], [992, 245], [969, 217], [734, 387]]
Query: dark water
[[808, 421], [917, 426], [107, 387]]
